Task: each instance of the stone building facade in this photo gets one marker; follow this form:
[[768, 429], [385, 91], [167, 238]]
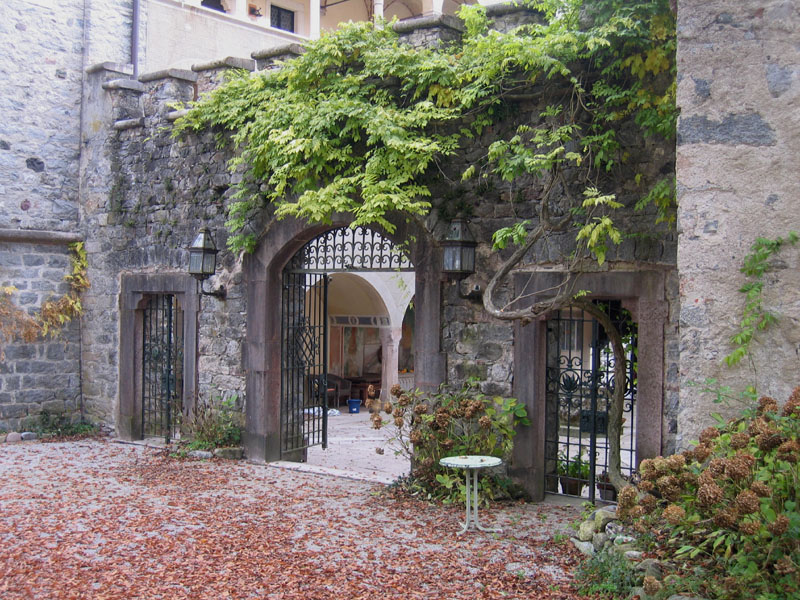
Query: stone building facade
[[45, 54], [738, 143], [86, 155], [145, 194]]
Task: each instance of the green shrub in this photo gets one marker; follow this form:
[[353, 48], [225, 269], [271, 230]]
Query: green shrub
[[60, 425], [729, 506], [606, 573], [216, 425], [450, 422]]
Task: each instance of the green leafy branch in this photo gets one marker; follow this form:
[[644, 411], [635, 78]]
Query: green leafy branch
[[754, 316]]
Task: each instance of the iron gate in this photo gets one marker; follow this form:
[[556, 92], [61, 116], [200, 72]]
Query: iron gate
[[304, 326], [580, 384], [162, 366], [304, 415]]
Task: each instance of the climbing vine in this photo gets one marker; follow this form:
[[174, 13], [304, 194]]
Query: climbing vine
[[17, 324], [755, 317], [356, 123]]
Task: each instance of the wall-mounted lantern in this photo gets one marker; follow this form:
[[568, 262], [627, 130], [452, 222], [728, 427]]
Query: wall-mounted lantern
[[203, 260], [459, 248]]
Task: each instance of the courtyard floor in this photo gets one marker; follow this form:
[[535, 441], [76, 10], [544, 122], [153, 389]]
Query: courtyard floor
[[99, 519]]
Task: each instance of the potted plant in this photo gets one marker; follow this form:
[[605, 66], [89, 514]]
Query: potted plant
[[573, 473], [608, 492]]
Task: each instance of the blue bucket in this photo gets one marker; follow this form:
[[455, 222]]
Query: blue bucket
[[354, 404]]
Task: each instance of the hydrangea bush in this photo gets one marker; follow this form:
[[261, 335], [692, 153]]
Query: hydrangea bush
[[428, 427], [726, 511]]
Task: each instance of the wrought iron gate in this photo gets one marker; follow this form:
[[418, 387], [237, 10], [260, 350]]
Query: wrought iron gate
[[162, 366], [580, 384], [304, 414], [304, 326]]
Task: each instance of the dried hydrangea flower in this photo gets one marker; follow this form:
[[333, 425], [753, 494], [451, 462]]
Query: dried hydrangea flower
[[708, 434], [709, 494], [396, 390], [674, 514], [726, 518], [747, 502], [648, 470], [701, 453], [792, 406], [485, 422], [749, 527], [404, 400], [785, 566], [648, 502], [646, 486], [761, 489], [627, 497], [739, 466], [717, 466], [739, 441], [779, 526], [789, 451], [767, 404], [676, 462]]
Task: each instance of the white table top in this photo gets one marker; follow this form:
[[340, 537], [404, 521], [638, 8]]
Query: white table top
[[470, 462]]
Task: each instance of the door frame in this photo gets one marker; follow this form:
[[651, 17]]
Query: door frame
[[643, 294]]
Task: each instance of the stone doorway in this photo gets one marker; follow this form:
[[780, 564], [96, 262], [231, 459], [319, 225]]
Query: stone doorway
[[318, 249]]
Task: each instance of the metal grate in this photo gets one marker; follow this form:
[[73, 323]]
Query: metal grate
[[304, 414], [580, 384], [162, 366], [345, 249]]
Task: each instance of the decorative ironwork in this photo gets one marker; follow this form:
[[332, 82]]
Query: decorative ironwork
[[304, 415], [580, 383], [162, 366], [345, 249]]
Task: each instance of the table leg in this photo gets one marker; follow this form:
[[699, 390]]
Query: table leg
[[472, 521]]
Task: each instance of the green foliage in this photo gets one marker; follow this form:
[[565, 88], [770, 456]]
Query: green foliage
[[357, 122], [754, 316], [55, 313], [216, 425], [608, 574], [428, 427], [60, 425], [576, 467], [728, 509]]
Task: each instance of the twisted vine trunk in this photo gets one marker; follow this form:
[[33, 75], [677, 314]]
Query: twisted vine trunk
[[563, 298]]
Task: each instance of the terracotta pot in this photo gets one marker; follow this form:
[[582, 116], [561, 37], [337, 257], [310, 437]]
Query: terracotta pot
[[571, 485], [607, 491]]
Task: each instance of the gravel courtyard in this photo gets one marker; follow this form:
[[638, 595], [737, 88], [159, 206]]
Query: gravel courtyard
[[99, 519]]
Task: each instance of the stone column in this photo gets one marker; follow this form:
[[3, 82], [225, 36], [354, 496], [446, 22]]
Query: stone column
[[390, 349]]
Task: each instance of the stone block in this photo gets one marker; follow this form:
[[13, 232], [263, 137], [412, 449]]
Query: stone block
[[13, 411], [13, 437]]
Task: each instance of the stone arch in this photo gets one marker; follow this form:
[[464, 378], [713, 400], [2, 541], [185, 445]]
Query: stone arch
[[262, 349], [643, 293]]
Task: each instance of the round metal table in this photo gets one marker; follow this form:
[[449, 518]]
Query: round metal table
[[471, 464]]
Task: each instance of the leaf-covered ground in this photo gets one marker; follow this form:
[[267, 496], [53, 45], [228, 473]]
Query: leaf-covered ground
[[95, 519]]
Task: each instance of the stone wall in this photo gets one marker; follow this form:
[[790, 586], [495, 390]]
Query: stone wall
[[738, 143], [45, 375], [146, 195], [43, 60]]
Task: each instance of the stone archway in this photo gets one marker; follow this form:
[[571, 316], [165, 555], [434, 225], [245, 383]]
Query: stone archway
[[262, 349]]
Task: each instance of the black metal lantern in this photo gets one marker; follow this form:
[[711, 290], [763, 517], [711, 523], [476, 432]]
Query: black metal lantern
[[459, 248], [203, 260]]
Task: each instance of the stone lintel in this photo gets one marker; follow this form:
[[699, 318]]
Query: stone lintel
[[111, 66], [177, 114], [39, 236], [508, 8], [124, 84], [292, 48], [429, 22], [183, 74], [230, 62], [129, 124]]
